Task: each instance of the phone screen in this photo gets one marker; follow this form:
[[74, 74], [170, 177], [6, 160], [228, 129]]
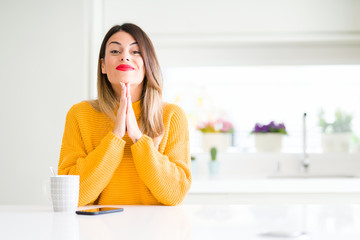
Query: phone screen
[[97, 211]]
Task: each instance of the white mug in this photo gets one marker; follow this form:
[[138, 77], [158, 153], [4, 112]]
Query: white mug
[[65, 192]]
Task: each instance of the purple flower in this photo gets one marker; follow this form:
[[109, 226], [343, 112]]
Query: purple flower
[[272, 127], [257, 128], [265, 128]]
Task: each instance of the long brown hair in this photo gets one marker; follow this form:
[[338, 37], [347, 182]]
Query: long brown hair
[[151, 120]]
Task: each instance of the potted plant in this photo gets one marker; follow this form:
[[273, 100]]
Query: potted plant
[[193, 165], [336, 135], [216, 134], [268, 137], [213, 164]]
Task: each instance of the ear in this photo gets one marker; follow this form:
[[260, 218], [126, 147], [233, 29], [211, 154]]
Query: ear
[[103, 70]]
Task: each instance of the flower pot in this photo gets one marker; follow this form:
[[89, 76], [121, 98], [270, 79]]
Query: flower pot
[[193, 167], [221, 141], [268, 142], [335, 142], [214, 167]]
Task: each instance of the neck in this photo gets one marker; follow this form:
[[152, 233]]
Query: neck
[[135, 91]]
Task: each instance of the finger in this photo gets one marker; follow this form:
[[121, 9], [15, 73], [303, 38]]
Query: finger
[[124, 109], [123, 99], [128, 90], [128, 96], [123, 90], [130, 108]]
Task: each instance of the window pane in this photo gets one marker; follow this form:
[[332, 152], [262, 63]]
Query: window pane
[[247, 95]]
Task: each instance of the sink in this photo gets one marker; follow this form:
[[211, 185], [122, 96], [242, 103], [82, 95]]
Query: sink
[[282, 165]]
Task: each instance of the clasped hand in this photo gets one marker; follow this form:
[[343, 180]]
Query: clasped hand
[[125, 118]]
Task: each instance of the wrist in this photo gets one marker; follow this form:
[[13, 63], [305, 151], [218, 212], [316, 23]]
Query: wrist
[[119, 134], [137, 137]]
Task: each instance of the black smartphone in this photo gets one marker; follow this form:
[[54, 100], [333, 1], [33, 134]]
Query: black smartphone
[[98, 211]]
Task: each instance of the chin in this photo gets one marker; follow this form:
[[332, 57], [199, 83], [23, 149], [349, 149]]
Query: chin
[[125, 81], [132, 81]]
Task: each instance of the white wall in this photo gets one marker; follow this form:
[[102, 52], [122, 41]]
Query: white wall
[[43, 61], [47, 46], [245, 32], [209, 17]]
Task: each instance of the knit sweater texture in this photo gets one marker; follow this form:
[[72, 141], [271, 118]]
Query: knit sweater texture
[[115, 171]]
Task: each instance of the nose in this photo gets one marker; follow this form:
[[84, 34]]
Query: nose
[[124, 57]]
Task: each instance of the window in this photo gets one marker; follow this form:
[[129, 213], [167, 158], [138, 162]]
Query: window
[[249, 94]]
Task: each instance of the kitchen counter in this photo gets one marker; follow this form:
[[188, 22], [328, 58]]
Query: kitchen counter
[[275, 185], [199, 221], [264, 190]]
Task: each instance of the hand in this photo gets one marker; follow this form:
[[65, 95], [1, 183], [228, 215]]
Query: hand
[[132, 126], [120, 122]]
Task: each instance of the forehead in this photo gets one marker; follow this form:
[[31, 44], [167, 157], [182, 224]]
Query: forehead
[[121, 37]]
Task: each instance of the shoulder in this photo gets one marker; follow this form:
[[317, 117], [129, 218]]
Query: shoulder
[[83, 108], [173, 112], [170, 108]]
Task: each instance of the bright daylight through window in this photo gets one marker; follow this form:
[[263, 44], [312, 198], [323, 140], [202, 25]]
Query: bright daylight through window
[[261, 94]]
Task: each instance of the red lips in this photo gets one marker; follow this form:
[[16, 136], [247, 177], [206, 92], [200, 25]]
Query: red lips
[[125, 67]]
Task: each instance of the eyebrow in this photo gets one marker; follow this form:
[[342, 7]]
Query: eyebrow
[[115, 42]]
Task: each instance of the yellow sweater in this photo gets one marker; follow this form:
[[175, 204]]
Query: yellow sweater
[[116, 171]]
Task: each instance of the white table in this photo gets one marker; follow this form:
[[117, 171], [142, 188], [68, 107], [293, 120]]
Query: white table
[[184, 222]]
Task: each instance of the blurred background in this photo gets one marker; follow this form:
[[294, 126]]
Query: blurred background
[[245, 61]]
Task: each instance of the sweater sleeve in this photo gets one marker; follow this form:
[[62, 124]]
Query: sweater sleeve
[[95, 167], [167, 175]]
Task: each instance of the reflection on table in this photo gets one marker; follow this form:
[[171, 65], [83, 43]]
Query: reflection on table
[[200, 221]]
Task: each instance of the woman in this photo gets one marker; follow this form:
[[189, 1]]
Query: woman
[[127, 146]]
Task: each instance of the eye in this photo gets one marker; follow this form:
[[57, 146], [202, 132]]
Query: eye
[[136, 52], [114, 52]]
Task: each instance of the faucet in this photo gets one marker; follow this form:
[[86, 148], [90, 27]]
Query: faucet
[[305, 162]]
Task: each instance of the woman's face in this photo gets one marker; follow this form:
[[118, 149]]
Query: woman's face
[[123, 61]]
